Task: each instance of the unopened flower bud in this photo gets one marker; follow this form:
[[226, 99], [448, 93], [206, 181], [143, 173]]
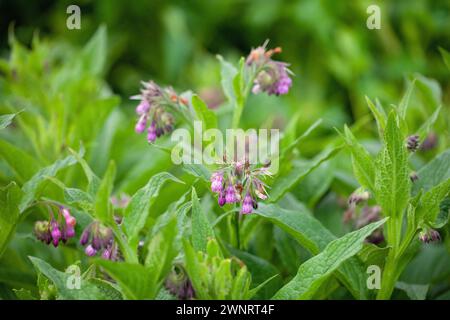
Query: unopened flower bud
[[412, 143], [90, 251]]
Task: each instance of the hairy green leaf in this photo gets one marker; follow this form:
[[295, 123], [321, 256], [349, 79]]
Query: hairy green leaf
[[314, 272]]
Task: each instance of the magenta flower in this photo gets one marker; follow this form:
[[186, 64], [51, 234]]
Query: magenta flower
[[154, 110], [247, 204], [58, 228], [99, 238], [272, 76]]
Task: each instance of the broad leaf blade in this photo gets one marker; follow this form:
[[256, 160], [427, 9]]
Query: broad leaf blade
[[314, 272]]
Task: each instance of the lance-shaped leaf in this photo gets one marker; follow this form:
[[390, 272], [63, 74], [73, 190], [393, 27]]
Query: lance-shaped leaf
[[227, 74], [204, 114], [379, 114], [312, 235], [32, 187], [6, 119], [392, 180], [433, 173], [103, 207], [315, 271], [137, 210], [363, 165], [430, 204], [201, 228], [20, 161], [9, 213]]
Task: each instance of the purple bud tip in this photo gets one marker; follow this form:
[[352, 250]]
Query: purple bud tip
[[143, 107], [230, 194], [55, 242], [70, 232], [106, 254], [84, 239], [222, 199], [56, 234], [141, 124], [90, 251]]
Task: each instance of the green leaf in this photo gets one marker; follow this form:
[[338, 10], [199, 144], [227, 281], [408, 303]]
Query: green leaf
[[428, 124], [227, 73], [204, 114], [32, 187], [6, 119], [312, 235], [403, 106], [9, 213], [363, 165], [103, 207], [93, 180], [198, 171], [162, 250], [20, 161], [262, 272], [433, 173], [201, 228], [414, 291], [392, 180], [379, 114], [303, 136], [284, 183], [429, 207], [87, 291], [137, 210], [315, 271], [93, 56], [135, 280]]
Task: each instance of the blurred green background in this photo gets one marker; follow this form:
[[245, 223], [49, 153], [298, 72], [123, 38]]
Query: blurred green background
[[336, 58]]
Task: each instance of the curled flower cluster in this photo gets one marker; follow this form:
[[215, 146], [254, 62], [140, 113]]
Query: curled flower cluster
[[239, 183], [272, 76], [154, 110], [59, 228], [99, 238], [429, 235]]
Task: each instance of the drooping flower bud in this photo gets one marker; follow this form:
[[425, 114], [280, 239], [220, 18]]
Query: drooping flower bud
[[413, 176], [90, 251], [429, 235], [141, 124], [151, 133], [247, 204], [84, 239], [230, 194], [217, 182], [412, 143], [143, 107], [221, 199]]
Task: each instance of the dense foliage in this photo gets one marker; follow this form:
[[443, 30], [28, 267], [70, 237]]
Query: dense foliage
[[93, 207]]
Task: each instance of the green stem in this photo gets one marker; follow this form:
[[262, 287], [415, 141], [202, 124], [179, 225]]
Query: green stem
[[128, 254], [389, 278], [236, 226]]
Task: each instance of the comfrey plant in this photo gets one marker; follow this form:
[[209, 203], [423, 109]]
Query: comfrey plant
[[412, 202]]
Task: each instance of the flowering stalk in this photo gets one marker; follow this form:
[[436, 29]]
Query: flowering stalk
[[241, 185], [262, 74]]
